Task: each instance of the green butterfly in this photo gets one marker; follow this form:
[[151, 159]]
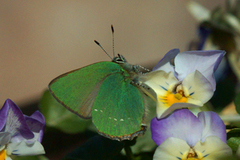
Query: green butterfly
[[111, 93]]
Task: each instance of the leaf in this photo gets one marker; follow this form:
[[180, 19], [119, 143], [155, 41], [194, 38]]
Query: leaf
[[97, 148], [233, 133], [59, 117], [233, 142], [233, 137], [237, 102]]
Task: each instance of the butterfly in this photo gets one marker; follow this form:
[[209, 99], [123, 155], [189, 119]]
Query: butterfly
[[109, 92]]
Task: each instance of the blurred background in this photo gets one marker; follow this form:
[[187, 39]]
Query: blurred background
[[43, 39]]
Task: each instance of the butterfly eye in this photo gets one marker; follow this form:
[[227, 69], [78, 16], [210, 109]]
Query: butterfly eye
[[119, 59]]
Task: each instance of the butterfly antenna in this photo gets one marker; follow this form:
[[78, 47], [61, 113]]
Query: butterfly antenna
[[102, 48], [113, 40]]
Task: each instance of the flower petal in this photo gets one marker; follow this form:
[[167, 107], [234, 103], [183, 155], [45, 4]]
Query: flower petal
[[160, 82], [8, 158], [16, 124], [199, 88], [5, 138], [212, 126], [4, 113], [24, 149], [176, 106], [38, 116], [171, 149], [36, 123], [180, 124], [213, 148], [204, 61], [164, 64]]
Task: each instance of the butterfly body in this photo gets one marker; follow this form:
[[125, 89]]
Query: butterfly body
[[108, 92]]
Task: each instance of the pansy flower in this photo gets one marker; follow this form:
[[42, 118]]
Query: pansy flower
[[20, 135], [185, 77], [183, 136]]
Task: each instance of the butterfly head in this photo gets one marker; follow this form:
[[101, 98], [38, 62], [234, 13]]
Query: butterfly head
[[119, 59]]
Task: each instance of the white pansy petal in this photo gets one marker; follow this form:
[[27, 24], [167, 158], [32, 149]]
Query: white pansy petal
[[171, 149], [24, 149], [212, 148], [8, 158], [199, 88], [195, 102], [5, 138], [2, 147], [161, 109], [175, 106], [159, 81]]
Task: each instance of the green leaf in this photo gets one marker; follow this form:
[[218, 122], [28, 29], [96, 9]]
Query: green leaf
[[237, 103], [233, 137], [59, 117], [233, 133], [233, 142]]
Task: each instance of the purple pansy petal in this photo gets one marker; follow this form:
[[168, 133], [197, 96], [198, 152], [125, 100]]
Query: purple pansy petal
[[204, 61], [5, 138], [40, 136], [16, 124], [199, 88], [164, 64], [36, 126], [4, 113], [180, 124], [212, 125], [38, 116], [176, 106], [218, 61]]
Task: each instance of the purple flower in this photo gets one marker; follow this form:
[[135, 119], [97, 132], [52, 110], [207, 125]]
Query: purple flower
[[20, 134], [182, 135], [187, 79]]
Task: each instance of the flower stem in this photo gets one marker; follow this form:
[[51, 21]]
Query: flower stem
[[129, 153]]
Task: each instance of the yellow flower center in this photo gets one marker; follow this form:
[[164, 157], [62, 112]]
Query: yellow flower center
[[178, 97], [3, 154], [192, 155]]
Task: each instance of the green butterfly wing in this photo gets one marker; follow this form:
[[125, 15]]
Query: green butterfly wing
[[118, 110], [76, 90]]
